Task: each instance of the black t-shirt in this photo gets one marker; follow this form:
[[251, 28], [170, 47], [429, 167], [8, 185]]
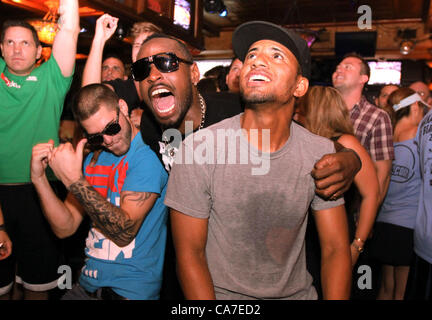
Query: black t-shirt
[[219, 106], [126, 90]]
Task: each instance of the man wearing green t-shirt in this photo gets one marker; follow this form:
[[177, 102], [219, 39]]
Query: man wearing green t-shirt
[[32, 101]]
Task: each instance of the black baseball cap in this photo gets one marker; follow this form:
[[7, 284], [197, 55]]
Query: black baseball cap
[[248, 33]]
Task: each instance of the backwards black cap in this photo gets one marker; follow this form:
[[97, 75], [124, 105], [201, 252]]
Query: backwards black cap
[[248, 33]]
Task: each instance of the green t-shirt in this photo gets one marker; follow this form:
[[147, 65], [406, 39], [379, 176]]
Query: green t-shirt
[[30, 110]]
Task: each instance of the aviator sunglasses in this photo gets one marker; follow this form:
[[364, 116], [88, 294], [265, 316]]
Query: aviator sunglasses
[[164, 62], [111, 129]]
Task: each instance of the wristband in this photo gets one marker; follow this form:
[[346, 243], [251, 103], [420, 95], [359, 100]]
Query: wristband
[[359, 240], [357, 247]]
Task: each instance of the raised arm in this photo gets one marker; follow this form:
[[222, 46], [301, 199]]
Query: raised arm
[[190, 238], [65, 42], [106, 25], [335, 253], [64, 218]]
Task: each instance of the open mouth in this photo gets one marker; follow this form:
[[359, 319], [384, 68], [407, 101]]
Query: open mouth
[[259, 78], [163, 100]]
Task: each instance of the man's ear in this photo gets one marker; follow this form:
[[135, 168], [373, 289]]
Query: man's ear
[[302, 87], [38, 52], [195, 73], [364, 78], [123, 107]]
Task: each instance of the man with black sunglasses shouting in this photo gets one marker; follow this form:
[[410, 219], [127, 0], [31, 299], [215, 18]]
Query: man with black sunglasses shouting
[[122, 190], [167, 78]]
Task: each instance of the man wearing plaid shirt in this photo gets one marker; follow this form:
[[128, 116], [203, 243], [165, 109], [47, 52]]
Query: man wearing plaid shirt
[[372, 126]]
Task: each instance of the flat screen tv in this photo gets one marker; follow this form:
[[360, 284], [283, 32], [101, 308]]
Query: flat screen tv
[[385, 72], [182, 13], [362, 42]]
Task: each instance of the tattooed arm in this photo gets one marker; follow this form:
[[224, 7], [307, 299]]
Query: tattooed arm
[[119, 224]]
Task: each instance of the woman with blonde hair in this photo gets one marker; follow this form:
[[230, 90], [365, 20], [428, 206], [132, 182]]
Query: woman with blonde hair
[[324, 112], [392, 244]]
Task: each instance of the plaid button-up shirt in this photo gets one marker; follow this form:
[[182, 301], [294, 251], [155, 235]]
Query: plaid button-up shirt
[[372, 127]]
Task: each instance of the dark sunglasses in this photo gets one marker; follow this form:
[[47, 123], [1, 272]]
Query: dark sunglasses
[[164, 62], [111, 129]]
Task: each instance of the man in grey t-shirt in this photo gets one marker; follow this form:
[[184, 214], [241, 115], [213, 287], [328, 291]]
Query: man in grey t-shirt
[[240, 190]]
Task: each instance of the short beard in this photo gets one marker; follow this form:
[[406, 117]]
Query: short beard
[[253, 101]]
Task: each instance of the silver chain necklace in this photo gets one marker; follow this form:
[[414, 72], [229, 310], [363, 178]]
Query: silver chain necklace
[[170, 150], [203, 110]]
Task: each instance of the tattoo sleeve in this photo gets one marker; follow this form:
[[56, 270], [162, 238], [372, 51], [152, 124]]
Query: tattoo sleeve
[[111, 220]]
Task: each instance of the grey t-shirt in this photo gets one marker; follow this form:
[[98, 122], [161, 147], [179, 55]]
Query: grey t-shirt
[[256, 222]]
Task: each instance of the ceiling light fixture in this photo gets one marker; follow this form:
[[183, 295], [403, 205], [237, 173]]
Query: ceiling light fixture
[[409, 41], [47, 26], [406, 46], [216, 6]]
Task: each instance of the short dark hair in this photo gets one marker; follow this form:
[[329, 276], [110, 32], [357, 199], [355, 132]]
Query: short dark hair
[[183, 48], [89, 99], [364, 68], [19, 23]]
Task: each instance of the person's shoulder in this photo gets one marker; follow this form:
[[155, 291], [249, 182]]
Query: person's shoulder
[[350, 141], [373, 108], [227, 123], [50, 64], [304, 133], [143, 156], [315, 144], [380, 115], [407, 134], [138, 146]]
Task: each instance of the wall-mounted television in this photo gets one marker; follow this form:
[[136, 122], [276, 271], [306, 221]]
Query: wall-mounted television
[[385, 72], [361, 42], [182, 13]]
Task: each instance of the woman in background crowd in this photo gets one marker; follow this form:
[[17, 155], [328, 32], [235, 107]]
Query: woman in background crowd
[[392, 244], [323, 112]]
